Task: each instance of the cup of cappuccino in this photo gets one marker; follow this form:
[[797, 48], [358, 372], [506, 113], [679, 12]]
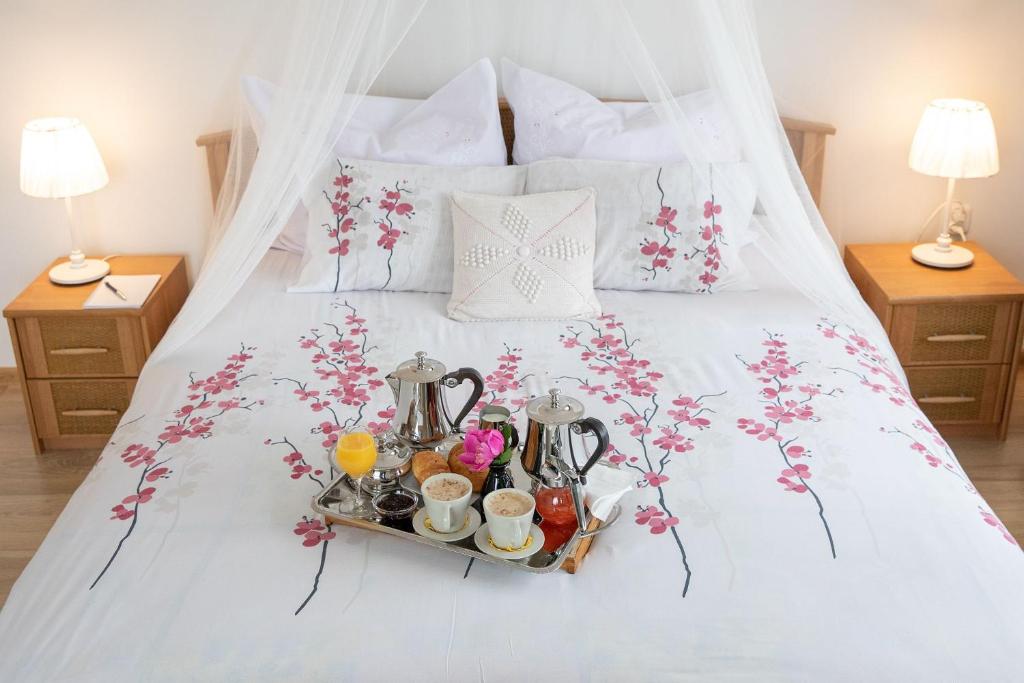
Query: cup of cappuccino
[[509, 515], [446, 498]]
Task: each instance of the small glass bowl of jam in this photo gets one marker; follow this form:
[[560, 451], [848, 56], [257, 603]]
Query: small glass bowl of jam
[[396, 508]]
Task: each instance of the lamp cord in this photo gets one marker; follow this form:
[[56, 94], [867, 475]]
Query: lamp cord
[[953, 228]]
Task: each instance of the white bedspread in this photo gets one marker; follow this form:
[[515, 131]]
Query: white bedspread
[[798, 518]]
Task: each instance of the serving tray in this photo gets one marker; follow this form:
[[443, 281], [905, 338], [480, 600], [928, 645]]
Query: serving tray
[[567, 557]]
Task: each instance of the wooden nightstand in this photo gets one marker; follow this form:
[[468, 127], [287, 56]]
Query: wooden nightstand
[[957, 333], [78, 366]]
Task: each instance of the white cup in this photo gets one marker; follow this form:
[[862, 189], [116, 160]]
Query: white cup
[[446, 516], [509, 532]]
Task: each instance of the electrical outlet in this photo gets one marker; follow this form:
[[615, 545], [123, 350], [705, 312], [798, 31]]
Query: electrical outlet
[[960, 217]]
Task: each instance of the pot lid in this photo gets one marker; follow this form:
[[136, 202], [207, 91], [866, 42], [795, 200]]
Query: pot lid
[[420, 369], [554, 409], [392, 454]]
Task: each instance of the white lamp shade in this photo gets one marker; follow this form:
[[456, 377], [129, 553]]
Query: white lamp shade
[[60, 159], [955, 139]]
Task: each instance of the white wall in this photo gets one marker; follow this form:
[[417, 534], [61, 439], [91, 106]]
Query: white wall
[[147, 77], [869, 68]]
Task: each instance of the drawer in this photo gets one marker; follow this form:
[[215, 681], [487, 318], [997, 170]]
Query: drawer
[[959, 394], [84, 407], [80, 346], [954, 333]]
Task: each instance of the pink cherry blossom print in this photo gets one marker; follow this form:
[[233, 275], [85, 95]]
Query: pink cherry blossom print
[[645, 514], [344, 205], [786, 405], [338, 389], [121, 512], [875, 376], [503, 386], [621, 378], [793, 486], [395, 206], [993, 521], [385, 417], [157, 473], [659, 252], [655, 479], [660, 525], [871, 364], [799, 471], [195, 419]]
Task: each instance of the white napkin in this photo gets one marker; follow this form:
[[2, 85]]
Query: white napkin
[[605, 486]]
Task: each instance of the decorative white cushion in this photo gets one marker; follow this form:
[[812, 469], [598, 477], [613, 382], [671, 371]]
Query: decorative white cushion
[[556, 119], [524, 258], [375, 225], [665, 227], [459, 125]]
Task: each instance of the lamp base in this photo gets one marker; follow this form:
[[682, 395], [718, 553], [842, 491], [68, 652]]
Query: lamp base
[[931, 254], [69, 273]]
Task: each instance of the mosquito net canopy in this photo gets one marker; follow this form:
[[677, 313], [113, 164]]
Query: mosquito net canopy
[[656, 50]]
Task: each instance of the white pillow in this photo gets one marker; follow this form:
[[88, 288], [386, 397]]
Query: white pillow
[[459, 125], [657, 227], [524, 258], [376, 225], [556, 119]]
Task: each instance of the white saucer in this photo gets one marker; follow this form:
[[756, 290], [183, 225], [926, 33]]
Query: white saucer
[[419, 523], [482, 539]]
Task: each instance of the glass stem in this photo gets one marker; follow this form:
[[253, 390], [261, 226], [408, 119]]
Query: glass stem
[[359, 492]]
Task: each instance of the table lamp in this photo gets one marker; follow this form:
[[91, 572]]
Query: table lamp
[[59, 160], [955, 139]]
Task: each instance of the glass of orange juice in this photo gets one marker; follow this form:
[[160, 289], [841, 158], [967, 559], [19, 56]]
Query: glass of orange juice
[[356, 454]]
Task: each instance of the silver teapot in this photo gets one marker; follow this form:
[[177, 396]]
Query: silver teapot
[[422, 419], [553, 419]]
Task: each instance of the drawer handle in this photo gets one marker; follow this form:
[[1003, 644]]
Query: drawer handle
[[90, 413], [79, 351], [957, 337], [947, 399]]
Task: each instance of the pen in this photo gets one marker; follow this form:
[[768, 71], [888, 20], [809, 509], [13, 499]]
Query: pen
[[115, 290]]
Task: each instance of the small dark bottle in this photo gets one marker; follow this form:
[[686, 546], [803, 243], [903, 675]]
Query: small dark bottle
[[498, 477]]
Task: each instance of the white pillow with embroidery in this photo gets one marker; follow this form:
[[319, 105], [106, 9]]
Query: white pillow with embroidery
[[524, 258], [376, 225], [458, 125], [662, 227], [556, 119]]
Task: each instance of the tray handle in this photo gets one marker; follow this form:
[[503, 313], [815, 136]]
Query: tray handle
[[612, 518]]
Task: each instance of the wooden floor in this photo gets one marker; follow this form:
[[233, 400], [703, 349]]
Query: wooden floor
[[34, 489]]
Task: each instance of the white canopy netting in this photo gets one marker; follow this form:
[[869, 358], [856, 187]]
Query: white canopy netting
[[339, 48]]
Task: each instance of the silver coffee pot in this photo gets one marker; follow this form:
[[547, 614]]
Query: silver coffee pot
[[553, 419], [422, 419]]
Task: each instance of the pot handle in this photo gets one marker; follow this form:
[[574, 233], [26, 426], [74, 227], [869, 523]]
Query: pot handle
[[454, 379], [597, 428]]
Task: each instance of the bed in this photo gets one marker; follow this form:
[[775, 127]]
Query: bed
[[797, 516]]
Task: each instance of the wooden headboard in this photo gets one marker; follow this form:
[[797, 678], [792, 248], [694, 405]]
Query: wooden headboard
[[807, 139]]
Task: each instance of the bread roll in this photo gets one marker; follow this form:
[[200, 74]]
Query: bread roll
[[459, 467], [428, 463]]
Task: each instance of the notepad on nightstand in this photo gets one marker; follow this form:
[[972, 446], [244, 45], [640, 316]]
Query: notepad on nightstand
[[136, 289]]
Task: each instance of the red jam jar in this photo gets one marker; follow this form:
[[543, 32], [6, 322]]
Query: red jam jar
[[558, 515]]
